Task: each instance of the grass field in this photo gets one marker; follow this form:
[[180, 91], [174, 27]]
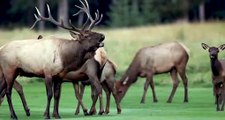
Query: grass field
[[200, 106], [121, 46]]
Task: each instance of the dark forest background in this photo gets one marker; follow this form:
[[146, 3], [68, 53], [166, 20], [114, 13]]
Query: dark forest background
[[117, 13]]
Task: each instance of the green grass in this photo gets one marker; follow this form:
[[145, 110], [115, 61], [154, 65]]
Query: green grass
[[201, 104]]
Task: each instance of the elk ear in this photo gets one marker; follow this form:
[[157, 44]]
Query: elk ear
[[222, 47], [205, 46]]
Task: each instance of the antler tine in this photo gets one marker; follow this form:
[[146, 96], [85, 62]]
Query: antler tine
[[96, 21], [39, 17], [37, 20]]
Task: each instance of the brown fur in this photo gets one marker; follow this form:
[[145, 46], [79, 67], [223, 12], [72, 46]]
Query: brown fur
[[218, 74], [148, 61]]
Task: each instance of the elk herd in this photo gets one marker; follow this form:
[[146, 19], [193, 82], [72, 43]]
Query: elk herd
[[83, 61]]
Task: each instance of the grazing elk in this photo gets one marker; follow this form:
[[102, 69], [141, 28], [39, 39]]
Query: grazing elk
[[51, 58], [169, 57], [218, 74]]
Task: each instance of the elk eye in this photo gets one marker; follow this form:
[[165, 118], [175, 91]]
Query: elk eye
[[221, 85]]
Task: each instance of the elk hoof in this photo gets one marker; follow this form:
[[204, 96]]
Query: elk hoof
[[46, 116], [118, 111], [101, 112], [93, 112], [155, 101], [56, 116], [76, 113], [169, 101], [107, 112], [28, 112], [14, 117], [142, 101], [85, 112], [186, 101]]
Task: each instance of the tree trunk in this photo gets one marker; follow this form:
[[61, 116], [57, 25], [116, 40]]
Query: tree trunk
[[41, 5], [202, 12], [63, 11]]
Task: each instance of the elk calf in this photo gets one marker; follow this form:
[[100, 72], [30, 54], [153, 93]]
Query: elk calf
[[108, 82], [169, 57], [218, 74]]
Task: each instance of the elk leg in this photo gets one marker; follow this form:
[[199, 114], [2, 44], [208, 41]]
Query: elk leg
[[2, 95], [19, 90], [146, 85], [2, 88], [94, 98], [152, 85], [9, 78], [57, 92], [185, 83], [108, 93], [173, 74], [110, 84], [48, 85], [79, 97], [97, 88]]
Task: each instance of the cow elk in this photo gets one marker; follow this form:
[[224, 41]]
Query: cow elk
[[107, 78], [218, 74], [51, 58], [148, 61]]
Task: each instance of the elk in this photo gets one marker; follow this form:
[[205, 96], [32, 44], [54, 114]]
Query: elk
[[50, 59], [168, 57], [97, 65], [218, 74], [107, 79]]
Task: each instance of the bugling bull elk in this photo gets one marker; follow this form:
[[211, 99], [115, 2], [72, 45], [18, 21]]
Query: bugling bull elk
[[169, 57], [26, 58], [100, 64], [218, 74]]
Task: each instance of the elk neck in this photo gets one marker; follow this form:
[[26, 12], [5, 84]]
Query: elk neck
[[215, 66], [130, 75], [72, 54]]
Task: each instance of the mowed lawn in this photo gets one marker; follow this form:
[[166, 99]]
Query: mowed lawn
[[200, 107]]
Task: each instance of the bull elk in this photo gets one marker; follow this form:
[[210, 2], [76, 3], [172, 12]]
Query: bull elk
[[218, 74], [148, 61], [101, 66], [50, 59]]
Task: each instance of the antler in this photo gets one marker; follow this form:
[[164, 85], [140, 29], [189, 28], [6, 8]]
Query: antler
[[85, 8], [61, 24]]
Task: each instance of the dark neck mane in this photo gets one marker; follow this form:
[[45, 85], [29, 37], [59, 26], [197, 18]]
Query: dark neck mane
[[215, 67]]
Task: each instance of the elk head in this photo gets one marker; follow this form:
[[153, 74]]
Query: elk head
[[91, 40], [213, 51], [121, 88]]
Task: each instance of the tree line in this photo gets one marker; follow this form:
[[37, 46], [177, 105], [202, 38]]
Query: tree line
[[117, 13]]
